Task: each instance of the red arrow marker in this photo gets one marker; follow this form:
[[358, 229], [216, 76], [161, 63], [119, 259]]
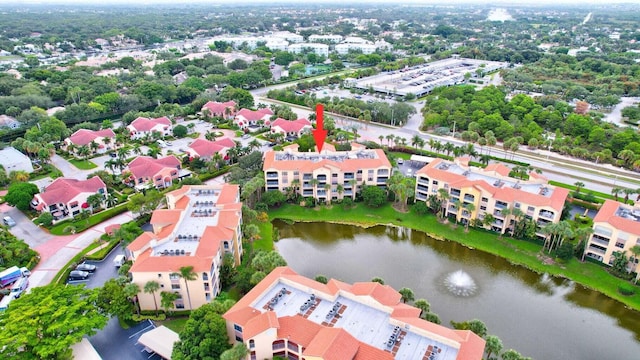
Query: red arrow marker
[[319, 134]]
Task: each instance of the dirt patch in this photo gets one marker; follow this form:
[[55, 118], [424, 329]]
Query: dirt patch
[[547, 260]]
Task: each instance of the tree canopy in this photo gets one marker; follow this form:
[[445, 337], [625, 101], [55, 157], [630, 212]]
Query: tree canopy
[[44, 323]]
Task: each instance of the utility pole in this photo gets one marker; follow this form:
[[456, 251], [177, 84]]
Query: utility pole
[[454, 129]]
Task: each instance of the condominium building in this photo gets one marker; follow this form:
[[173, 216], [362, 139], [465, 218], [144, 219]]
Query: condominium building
[[491, 191], [344, 48], [318, 49], [325, 38], [200, 225], [329, 175], [616, 227], [294, 317]]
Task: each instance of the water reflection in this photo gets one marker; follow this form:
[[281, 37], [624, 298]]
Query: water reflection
[[540, 316]]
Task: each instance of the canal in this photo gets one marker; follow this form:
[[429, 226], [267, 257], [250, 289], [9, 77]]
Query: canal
[[539, 316]]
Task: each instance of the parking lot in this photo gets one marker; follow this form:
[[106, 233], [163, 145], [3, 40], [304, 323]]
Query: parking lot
[[115, 343], [105, 270]]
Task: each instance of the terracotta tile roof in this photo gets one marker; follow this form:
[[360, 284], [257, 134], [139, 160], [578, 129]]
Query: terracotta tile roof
[[298, 329], [110, 229], [507, 194], [251, 115], [350, 165], [206, 148], [85, 136], [337, 343], [208, 247], [607, 214], [291, 126], [368, 352], [218, 107], [146, 166], [146, 124], [471, 345], [333, 344], [260, 323], [384, 294], [63, 190]]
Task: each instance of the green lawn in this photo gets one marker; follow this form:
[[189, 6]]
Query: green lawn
[[81, 225], [83, 164], [516, 251], [176, 324]]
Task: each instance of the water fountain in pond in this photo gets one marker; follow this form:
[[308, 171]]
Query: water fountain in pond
[[460, 283]]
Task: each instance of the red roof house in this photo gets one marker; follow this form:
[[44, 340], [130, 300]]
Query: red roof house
[[142, 127], [225, 109], [248, 118], [291, 128], [205, 149], [84, 137], [160, 172], [68, 197]]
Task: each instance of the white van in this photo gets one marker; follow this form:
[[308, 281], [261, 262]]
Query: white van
[[119, 260], [4, 303], [19, 287], [162, 143]]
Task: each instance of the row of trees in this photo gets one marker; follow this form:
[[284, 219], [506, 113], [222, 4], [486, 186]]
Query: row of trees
[[485, 116]]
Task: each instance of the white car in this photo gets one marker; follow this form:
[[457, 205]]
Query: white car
[[400, 161], [8, 221]]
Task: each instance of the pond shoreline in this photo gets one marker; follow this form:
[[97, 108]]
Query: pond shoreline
[[516, 252]]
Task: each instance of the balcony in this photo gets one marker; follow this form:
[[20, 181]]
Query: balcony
[[501, 206], [421, 196], [383, 172], [348, 176], [498, 213], [547, 214], [455, 192], [307, 177], [272, 175], [272, 182], [423, 188], [469, 198], [597, 249]]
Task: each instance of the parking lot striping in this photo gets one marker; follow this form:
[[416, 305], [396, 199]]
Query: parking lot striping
[[151, 326]]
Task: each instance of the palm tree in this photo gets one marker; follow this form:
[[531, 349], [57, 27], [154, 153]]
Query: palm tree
[[150, 288], [423, 305], [443, 195], [381, 137], [627, 193], [415, 140], [19, 176], [122, 153], [615, 191], [582, 235], [406, 295], [389, 138], [635, 253], [484, 159], [449, 148], [187, 274], [470, 208], [626, 156], [166, 300], [493, 345], [579, 185], [94, 146], [131, 291], [110, 201], [254, 144], [84, 151]]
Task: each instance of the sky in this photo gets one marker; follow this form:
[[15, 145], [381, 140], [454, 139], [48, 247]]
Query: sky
[[218, 2]]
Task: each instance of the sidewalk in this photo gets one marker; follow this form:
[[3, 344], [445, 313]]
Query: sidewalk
[[57, 252]]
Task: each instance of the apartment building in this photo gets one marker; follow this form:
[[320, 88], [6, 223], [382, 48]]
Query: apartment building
[[344, 48], [491, 191], [200, 224], [329, 175], [616, 227], [325, 38], [318, 49], [294, 317]]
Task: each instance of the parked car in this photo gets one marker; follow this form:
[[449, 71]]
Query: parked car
[[113, 155], [86, 267], [400, 161], [246, 136], [8, 220], [78, 275]]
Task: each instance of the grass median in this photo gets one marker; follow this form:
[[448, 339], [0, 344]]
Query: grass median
[[517, 252]]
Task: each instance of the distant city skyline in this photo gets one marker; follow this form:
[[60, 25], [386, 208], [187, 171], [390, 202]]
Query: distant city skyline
[[262, 2]]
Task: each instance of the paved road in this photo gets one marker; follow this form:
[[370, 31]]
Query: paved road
[[115, 343], [68, 170], [59, 250], [25, 229]]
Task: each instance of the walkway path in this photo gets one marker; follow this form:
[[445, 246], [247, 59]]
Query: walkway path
[[59, 250]]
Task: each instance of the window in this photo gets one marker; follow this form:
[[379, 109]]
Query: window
[[252, 344], [175, 286], [620, 244], [483, 208], [206, 286], [517, 205], [159, 275], [205, 276], [435, 182], [237, 327], [530, 208], [484, 199], [174, 276]]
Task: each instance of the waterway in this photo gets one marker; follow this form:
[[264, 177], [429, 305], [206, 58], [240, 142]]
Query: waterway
[[539, 316]]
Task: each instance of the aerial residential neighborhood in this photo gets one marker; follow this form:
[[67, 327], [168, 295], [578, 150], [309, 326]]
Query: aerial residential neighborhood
[[428, 181]]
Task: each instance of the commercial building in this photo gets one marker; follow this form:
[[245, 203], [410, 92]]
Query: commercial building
[[491, 191], [200, 225], [329, 175], [616, 227], [294, 317], [13, 160]]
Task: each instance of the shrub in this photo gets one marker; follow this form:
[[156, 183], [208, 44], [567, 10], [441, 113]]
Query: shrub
[[626, 289]]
